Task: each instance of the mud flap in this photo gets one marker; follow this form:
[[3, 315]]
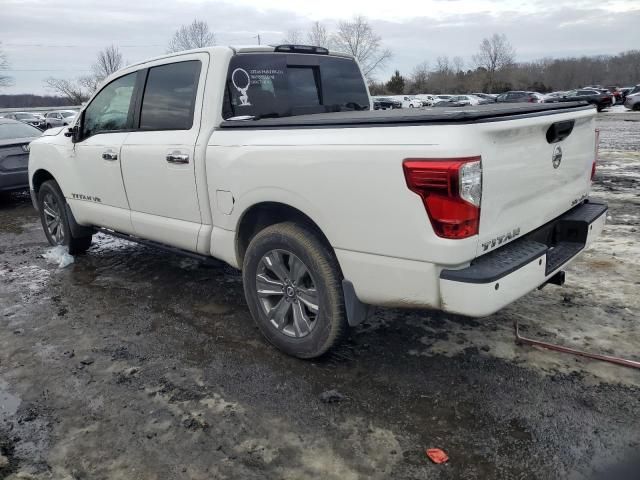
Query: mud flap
[[77, 230], [357, 311]]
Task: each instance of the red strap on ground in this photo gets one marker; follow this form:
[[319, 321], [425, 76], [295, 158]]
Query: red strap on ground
[[437, 456]]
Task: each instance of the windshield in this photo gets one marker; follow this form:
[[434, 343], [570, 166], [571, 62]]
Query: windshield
[[10, 131], [282, 85]]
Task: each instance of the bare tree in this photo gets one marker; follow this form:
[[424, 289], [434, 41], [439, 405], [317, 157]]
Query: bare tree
[[109, 61], [420, 78], [79, 90], [357, 38], [5, 80], [458, 64], [194, 35], [293, 37], [318, 36], [74, 91], [496, 54]]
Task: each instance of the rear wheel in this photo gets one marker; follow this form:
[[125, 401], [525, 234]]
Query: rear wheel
[[53, 215], [293, 287]]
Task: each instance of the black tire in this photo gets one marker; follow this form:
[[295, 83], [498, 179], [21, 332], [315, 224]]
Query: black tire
[[50, 192], [323, 269], [47, 126]]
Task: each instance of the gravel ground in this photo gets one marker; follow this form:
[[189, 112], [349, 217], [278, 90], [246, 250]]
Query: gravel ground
[[135, 364]]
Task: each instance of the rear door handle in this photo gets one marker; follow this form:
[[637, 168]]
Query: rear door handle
[[109, 155], [177, 157]]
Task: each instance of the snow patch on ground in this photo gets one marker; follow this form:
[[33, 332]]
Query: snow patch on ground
[[58, 255]]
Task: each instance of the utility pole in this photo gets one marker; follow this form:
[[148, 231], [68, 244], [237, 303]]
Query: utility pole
[[258, 37]]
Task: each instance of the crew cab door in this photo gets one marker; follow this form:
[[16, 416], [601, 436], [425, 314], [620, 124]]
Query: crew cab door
[[96, 192], [158, 156]]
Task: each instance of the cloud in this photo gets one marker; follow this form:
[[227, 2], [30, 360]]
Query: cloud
[[44, 38]]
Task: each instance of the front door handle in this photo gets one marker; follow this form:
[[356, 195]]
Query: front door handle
[[177, 157], [109, 155]]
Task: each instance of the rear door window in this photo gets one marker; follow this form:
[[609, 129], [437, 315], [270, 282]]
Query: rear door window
[[170, 96], [280, 85]]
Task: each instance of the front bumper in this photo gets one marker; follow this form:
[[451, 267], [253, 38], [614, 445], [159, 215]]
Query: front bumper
[[500, 277]]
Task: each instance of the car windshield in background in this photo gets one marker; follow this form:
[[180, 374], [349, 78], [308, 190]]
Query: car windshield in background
[[68, 114], [25, 116], [9, 131], [283, 85]]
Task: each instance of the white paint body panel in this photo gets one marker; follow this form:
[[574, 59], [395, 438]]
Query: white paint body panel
[[349, 181]]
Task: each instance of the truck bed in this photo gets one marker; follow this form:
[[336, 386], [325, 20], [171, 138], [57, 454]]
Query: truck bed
[[411, 116]]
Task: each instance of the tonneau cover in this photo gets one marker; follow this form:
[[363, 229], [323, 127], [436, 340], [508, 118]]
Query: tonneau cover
[[411, 116]]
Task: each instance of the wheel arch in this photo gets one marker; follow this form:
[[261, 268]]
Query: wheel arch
[[261, 215], [40, 176]]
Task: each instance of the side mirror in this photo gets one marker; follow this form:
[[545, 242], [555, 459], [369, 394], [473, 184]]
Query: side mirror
[[74, 133]]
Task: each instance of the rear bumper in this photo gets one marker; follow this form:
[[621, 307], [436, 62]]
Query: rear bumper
[[496, 279]]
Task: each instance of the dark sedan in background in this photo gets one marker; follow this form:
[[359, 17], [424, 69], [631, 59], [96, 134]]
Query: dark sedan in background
[[15, 137], [28, 118], [519, 96], [382, 103], [600, 98]]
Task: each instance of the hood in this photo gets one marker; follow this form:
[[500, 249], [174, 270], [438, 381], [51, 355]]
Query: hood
[[52, 132]]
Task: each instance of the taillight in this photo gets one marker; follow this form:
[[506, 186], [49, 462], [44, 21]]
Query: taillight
[[595, 154], [451, 190]]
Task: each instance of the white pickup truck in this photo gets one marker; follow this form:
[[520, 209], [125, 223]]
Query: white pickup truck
[[271, 159]]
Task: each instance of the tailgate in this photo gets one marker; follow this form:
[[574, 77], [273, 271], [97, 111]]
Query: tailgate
[[527, 180]]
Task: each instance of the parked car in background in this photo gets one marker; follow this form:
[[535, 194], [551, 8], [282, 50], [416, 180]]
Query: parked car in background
[[632, 102], [548, 97], [426, 99], [617, 94], [490, 98], [632, 90], [60, 118], [600, 98], [408, 101], [15, 137], [465, 99], [383, 103], [448, 101], [519, 96], [28, 118]]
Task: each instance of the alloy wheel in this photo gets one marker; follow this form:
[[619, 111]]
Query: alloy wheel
[[53, 218], [287, 293]]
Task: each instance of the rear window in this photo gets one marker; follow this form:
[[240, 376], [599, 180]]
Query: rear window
[[283, 85], [10, 131]]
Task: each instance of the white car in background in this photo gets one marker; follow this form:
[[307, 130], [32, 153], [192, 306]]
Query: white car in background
[[426, 99], [468, 99], [408, 101], [59, 118]]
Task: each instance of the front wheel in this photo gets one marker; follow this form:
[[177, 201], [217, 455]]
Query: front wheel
[[293, 287], [53, 215]]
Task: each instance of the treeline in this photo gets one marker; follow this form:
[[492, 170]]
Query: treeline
[[27, 100], [545, 75]]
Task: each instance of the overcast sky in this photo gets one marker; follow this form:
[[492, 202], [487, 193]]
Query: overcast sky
[[52, 38]]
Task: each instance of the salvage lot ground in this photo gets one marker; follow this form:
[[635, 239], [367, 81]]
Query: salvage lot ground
[[132, 364]]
